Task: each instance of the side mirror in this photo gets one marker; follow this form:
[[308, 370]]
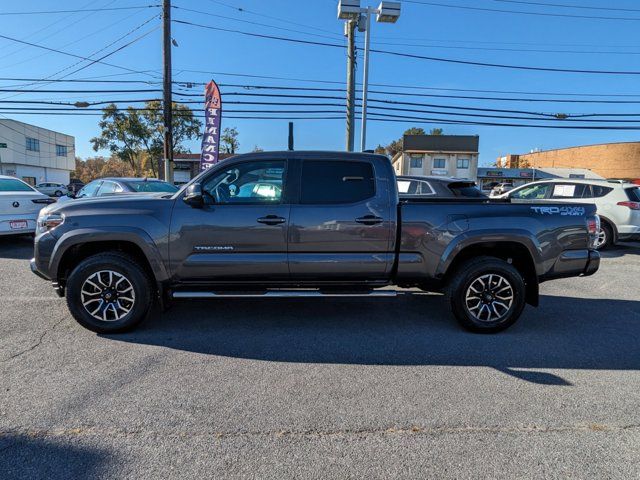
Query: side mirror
[[194, 196], [70, 194]]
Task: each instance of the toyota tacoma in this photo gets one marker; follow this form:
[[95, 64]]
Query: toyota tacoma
[[306, 224]]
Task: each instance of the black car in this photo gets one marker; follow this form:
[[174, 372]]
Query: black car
[[115, 185], [437, 187]]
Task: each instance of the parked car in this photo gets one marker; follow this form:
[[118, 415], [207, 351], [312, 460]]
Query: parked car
[[618, 203], [306, 224], [19, 206], [52, 189], [440, 187], [500, 189], [117, 185], [75, 185]]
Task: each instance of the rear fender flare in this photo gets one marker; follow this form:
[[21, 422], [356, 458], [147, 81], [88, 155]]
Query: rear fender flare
[[475, 238]]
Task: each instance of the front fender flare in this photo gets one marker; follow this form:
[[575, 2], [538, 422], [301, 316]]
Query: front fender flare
[[133, 235]]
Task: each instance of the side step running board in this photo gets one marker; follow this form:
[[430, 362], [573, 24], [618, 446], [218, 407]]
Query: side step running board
[[283, 294]]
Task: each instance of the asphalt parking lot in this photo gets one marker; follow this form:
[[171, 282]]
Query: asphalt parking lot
[[376, 388]]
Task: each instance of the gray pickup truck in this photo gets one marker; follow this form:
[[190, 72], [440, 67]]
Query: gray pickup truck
[[306, 224]]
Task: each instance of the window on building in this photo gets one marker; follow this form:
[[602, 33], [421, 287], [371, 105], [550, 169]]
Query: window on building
[[33, 144], [463, 163], [326, 182], [415, 161], [439, 163], [61, 150]]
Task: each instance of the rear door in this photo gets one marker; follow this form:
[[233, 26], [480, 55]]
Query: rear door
[[241, 232], [342, 226]]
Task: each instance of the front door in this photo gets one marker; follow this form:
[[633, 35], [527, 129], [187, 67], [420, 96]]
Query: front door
[[341, 227], [241, 232]]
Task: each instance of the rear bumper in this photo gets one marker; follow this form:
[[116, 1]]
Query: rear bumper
[[574, 263], [29, 226]]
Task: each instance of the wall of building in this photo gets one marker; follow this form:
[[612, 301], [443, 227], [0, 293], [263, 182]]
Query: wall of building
[[43, 165], [429, 167], [610, 160]]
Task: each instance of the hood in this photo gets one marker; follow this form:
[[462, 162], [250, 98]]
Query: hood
[[118, 202]]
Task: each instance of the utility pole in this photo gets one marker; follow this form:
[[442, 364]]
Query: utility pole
[[290, 136], [350, 28], [167, 84], [365, 80]]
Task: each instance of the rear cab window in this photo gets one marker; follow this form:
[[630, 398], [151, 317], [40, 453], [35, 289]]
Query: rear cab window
[[336, 181]]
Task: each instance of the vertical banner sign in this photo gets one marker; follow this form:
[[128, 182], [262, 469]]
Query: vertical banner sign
[[212, 118]]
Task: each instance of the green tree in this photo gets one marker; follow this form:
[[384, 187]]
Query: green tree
[[136, 136], [229, 140], [396, 146]]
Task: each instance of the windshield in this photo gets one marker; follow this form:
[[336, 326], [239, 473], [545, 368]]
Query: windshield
[[154, 186], [11, 185]]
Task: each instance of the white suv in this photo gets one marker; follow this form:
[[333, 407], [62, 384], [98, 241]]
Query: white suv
[[618, 203]]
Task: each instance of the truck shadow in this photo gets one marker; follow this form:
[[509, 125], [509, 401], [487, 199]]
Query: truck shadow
[[564, 333], [18, 247], [30, 456]]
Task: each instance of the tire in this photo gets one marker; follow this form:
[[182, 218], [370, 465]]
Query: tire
[[490, 311], [605, 237], [58, 193], [118, 308]]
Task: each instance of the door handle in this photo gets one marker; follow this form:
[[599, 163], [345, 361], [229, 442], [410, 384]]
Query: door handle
[[369, 220], [271, 220]]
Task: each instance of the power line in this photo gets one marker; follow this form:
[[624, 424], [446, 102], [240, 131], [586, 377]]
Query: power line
[[564, 5], [51, 12], [67, 53], [200, 12], [421, 57], [520, 12]]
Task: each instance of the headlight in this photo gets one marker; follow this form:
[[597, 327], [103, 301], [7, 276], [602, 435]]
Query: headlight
[[47, 221]]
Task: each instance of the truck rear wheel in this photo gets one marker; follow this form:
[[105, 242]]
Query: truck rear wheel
[[486, 294], [109, 293]]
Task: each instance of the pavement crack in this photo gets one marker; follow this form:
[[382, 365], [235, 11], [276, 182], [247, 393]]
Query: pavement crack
[[313, 433], [35, 345]]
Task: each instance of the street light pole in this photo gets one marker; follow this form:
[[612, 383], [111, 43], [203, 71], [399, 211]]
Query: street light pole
[[167, 84], [387, 12], [365, 79]]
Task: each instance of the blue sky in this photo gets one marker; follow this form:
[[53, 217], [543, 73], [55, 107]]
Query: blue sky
[[482, 36]]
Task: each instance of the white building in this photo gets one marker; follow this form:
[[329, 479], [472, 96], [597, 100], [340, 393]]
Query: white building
[[35, 154], [441, 155]]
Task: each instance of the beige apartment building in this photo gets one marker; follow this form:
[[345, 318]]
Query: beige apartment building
[[438, 155]]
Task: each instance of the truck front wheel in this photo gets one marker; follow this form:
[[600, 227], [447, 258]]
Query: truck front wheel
[[486, 294], [109, 293]]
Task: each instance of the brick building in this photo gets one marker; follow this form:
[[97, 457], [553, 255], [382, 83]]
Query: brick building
[[610, 160]]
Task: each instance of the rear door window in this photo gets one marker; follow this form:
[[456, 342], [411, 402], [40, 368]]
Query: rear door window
[[533, 192], [414, 187], [327, 182], [568, 190]]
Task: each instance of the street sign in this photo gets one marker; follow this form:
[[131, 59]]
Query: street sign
[[3, 145]]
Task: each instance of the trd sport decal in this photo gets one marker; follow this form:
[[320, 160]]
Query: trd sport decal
[[572, 211]]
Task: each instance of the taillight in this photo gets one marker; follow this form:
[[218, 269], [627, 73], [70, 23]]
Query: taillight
[[593, 225], [631, 205]]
